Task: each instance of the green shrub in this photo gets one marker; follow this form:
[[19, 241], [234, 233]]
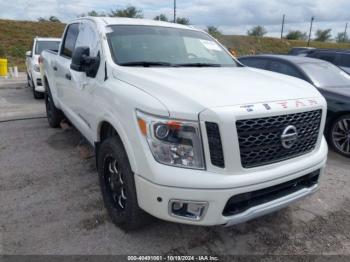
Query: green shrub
[[17, 51], [2, 52]]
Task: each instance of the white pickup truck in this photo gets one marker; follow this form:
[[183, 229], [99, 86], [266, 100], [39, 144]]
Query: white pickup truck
[[181, 129], [32, 63]]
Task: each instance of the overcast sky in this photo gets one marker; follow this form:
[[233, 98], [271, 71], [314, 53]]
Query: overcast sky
[[231, 16]]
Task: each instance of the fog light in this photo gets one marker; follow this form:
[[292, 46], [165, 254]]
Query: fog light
[[191, 210]]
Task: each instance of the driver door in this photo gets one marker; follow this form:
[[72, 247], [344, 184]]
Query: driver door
[[83, 88]]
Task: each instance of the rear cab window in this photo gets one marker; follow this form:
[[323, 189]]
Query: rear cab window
[[46, 45]]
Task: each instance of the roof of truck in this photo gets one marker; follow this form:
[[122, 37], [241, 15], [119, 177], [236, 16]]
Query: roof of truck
[[38, 38], [133, 21]]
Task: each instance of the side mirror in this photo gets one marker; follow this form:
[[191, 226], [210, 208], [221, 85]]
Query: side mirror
[[83, 62], [78, 58], [29, 54]]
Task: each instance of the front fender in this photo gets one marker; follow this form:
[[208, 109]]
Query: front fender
[[116, 103]]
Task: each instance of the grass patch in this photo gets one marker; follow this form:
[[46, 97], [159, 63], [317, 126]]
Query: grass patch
[[245, 45], [17, 36]]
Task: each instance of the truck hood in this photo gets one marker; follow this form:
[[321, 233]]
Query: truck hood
[[188, 91]]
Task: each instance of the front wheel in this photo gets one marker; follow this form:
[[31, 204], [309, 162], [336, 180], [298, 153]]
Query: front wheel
[[118, 186], [29, 83], [38, 95], [339, 135]]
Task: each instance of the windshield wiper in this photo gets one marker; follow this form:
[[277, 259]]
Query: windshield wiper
[[199, 65], [146, 64]]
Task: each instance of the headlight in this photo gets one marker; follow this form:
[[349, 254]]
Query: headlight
[[36, 68], [173, 142]]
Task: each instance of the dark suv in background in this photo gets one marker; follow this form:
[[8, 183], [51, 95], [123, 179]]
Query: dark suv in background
[[300, 51], [337, 57]]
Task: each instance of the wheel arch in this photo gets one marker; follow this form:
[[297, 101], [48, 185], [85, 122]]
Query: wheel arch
[[106, 129]]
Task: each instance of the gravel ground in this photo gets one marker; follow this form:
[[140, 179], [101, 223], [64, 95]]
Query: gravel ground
[[51, 204]]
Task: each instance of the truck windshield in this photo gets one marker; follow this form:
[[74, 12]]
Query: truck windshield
[[136, 45], [46, 45]]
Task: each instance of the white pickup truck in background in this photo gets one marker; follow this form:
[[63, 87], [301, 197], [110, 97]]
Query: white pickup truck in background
[[32, 63], [181, 129]]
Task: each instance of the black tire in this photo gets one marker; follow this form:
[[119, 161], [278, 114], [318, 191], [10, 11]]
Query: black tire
[[339, 135], [54, 115], [38, 95], [28, 81], [118, 186]]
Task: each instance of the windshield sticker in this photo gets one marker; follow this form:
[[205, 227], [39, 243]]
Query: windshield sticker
[[210, 45]]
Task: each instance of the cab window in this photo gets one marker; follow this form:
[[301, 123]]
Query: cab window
[[70, 39], [88, 37]]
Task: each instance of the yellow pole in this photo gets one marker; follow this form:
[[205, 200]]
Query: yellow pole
[[3, 67]]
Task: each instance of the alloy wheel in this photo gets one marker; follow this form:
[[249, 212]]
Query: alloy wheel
[[341, 135], [114, 180]]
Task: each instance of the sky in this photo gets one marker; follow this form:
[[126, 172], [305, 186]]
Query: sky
[[230, 16]]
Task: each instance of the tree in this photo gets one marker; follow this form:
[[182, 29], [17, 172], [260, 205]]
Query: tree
[[92, 13], [42, 19], [50, 19], [342, 37], [323, 35], [161, 17], [213, 31], [54, 19], [130, 11], [258, 30], [296, 35], [183, 20]]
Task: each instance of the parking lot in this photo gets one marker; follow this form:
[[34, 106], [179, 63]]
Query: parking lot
[[51, 203]]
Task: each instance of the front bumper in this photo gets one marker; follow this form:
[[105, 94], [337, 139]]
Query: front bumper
[[270, 207], [154, 198]]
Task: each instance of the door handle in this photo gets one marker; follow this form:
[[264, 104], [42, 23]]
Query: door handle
[[68, 76], [55, 68]]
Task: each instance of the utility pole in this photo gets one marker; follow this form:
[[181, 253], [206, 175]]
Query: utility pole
[[346, 28], [312, 21], [174, 11], [284, 16]]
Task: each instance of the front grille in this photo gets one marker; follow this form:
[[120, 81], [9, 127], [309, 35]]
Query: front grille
[[242, 202], [260, 138], [215, 146]]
